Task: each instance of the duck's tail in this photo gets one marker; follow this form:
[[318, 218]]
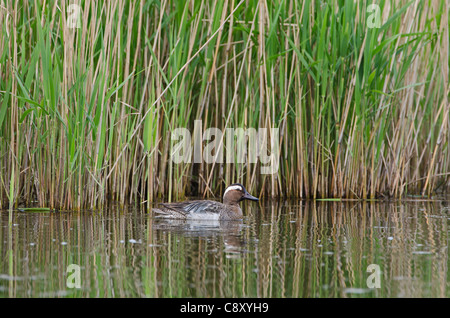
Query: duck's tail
[[168, 213]]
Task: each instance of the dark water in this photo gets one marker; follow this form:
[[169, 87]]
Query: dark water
[[282, 249]]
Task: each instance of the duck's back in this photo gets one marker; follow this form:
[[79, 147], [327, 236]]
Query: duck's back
[[197, 209]]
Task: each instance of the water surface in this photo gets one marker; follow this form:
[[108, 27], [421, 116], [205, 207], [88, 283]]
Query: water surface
[[280, 249]]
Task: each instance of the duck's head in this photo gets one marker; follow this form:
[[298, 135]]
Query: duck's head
[[235, 193]]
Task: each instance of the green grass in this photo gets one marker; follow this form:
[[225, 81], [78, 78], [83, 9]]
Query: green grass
[[86, 114]]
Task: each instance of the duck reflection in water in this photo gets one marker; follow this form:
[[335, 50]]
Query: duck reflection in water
[[230, 231]]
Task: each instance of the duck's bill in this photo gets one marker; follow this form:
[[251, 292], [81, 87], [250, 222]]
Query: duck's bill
[[248, 196]]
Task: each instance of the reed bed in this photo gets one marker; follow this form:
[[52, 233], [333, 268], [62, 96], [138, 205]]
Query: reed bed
[[89, 101]]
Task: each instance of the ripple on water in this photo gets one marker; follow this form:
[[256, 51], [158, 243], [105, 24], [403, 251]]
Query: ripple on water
[[353, 290]]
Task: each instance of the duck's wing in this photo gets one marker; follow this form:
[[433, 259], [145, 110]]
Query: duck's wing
[[199, 209]]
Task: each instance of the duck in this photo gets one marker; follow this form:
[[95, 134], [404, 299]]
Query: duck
[[208, 209]]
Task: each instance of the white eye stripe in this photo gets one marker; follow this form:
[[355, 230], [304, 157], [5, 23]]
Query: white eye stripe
[[235, 187]]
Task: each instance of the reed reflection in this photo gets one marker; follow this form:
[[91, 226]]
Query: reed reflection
[[280, 249]]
